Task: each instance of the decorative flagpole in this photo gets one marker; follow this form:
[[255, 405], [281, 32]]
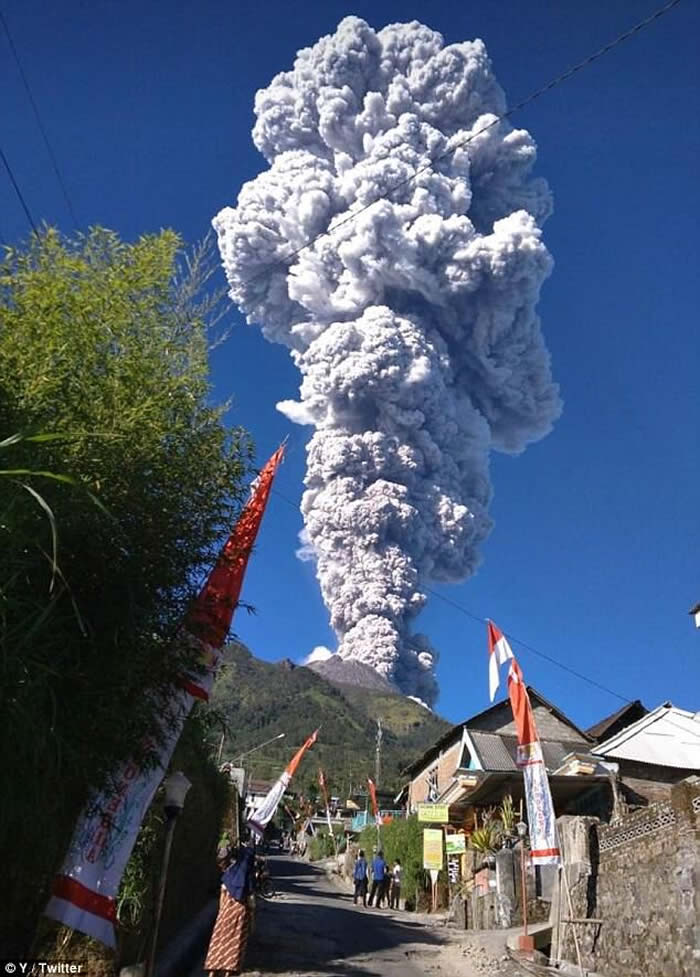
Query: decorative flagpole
[[85, 890], [265, 811], [322, 784], [544, 847], [375, 808]]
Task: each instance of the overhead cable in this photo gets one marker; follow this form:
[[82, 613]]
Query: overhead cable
[[39, 122], [20, 196]]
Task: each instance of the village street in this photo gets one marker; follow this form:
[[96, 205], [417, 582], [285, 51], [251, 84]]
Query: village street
[[313, 929]]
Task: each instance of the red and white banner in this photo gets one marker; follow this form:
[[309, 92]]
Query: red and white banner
[[373, 795], [85, 891], [499, 652], [544, 848], [324, 790], [265, 811]]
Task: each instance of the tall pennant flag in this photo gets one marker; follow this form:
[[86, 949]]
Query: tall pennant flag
[[544, 849], [324, 788], [85, 890], [499, 652], [265, 810], [373, 795]]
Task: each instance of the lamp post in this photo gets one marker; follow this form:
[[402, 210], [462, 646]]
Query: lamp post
[[259, 747], [525, 942], [176, 787]]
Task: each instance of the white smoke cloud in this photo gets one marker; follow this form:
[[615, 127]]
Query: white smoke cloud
[[318, 654], [413, 325]]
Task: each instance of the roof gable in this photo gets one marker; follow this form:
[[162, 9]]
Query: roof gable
[[666, 736], [615, 723], [551, 722]]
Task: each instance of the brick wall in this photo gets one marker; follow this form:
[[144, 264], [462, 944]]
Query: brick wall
[[641, 876], [446, 765]]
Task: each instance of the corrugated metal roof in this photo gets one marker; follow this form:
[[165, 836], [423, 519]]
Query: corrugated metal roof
[[497, 752], [666, 736], [492, 751]]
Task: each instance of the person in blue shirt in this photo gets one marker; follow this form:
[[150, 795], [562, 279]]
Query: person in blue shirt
[[360, 878], [379, 876]]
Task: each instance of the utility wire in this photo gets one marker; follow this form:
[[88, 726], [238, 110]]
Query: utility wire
[[483, 620], [18, 191], [37, 116], [459, 144]]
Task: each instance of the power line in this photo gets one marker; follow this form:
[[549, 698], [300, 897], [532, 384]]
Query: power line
[[482, 620], [459, 144], [49, 150], [18, 191], [524, 644]]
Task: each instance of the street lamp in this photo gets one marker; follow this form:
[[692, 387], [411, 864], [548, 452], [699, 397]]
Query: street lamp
[[525, 942], [176, 787], [259, 747]]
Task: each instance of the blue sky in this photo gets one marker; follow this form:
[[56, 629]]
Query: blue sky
[[593, 559]]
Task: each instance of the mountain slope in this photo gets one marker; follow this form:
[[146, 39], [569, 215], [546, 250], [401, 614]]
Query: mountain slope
[[260, 700]]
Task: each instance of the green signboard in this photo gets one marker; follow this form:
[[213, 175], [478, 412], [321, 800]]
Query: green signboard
[[455, 844]]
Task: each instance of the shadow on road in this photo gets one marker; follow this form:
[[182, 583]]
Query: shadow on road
[[315, 927]]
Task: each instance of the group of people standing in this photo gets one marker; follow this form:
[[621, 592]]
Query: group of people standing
[[386, 880]]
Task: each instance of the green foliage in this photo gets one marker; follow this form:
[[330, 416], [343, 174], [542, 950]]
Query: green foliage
[[506, 814], [258, 700], [486, 839], [322, 845], [107, 519], [402, 839]]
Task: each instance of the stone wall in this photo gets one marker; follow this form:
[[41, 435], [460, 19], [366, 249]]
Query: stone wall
[[639, 875]]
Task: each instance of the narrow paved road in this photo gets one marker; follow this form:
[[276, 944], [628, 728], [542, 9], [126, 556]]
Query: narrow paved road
[[313, 929]]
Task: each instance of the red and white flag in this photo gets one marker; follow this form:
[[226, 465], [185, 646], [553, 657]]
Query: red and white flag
[[499, 653], [373, 795], [544, 848], [265, 811], [85, 890], [324, 788]]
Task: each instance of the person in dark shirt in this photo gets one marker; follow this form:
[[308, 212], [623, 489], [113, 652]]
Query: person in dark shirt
[[379, 876], [360, 878]]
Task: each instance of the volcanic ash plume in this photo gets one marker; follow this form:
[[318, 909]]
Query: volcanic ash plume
[[413, 323]]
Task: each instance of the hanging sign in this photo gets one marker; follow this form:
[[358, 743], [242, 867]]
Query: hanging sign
[[455, 844], [435, 813], [432, 848]]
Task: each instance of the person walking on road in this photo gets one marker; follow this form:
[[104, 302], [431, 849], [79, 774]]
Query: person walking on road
[[379, 876], [230, 936], [360, 878], [395, 891]]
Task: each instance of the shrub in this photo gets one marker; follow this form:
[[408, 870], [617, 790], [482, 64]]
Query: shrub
[[102, 345]]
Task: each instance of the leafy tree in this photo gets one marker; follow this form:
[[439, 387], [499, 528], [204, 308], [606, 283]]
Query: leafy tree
[[104, 347]]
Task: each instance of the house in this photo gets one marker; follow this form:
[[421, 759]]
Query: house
[[474, 764], [658, 750], [628, 760], [615, 723]]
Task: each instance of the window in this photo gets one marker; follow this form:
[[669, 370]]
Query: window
[[433, 789]]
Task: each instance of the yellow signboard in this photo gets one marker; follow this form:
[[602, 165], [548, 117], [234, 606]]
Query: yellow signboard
[[432, 848], [435, 813]]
